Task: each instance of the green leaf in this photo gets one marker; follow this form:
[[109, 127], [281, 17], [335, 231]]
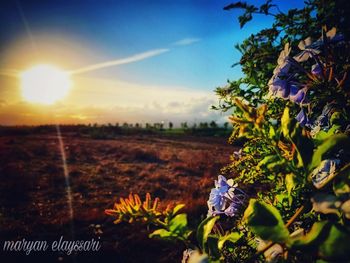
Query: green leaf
[[315, 237], [324, 135], [337, 118], [177, 208], [231, 237], [178, 224], [332, 144], [341, 182], [265, 221], [292, 131], [204, 230], [291, 182], [304, 146], [284, 197], [278, 164], [213, 247], [268, 159], [161, 233], [272, 133], [336, 245], [285, 122]]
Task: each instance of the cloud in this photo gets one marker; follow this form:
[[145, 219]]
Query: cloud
[[122, 61], [18, 113], [95, 100], [100, 100], [186, 41]]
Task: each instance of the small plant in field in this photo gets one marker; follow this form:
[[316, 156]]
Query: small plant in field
[[172, 225], [285, 197]]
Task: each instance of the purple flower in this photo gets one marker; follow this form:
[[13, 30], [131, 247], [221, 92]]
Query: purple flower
[[306, 50], [331, 37], [296, 95], [323, 121], [316, 70], [232, 209], [282, 70], [302, 118], [324, 172], [225, 198], [282, 89], [278, 88], [215, 199], [283, 62]]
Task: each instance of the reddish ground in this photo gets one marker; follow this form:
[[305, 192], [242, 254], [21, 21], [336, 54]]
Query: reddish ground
[[33, 203]]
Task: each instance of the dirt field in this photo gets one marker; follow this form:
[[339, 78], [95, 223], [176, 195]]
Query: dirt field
[[33, 200]]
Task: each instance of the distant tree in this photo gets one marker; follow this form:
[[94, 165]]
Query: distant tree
[[116, 124], [226, 125], [171, 125], [213, 124], [184, 125], [125, 125]]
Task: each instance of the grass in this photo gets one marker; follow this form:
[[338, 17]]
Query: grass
[[33, 198]]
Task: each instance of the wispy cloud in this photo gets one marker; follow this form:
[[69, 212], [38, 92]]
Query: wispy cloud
[[134, 58], [186, 41]]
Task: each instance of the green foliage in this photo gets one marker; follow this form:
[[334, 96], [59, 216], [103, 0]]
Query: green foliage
[[204, 229], [290, 161], [329, 146], [172, 226], [175, 228], [291, 112], [265, 221]]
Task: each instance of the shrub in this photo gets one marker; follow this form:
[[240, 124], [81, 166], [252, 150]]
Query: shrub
[[288, 196]]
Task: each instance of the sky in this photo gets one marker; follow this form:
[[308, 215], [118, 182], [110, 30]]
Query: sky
[[134, 61]]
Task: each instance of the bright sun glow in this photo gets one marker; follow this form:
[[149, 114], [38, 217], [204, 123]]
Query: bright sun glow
[[44, 84]]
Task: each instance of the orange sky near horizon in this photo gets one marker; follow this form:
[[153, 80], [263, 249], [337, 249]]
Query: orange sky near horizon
[[93, 99]]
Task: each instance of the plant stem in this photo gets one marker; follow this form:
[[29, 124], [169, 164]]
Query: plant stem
[[295, 216]]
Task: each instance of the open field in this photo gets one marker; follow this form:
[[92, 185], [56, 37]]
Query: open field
[[33, 200]]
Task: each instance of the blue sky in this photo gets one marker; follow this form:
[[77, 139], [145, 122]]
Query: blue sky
[[108, 30]]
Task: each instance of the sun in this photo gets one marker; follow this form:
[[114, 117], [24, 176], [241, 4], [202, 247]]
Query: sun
[[44, 84]]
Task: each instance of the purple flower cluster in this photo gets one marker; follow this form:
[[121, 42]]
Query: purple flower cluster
[[324, 172], [302, 118], [323, 121], [311, 49], [307, 50], [225, 198], [281, 84], [331, 37]]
